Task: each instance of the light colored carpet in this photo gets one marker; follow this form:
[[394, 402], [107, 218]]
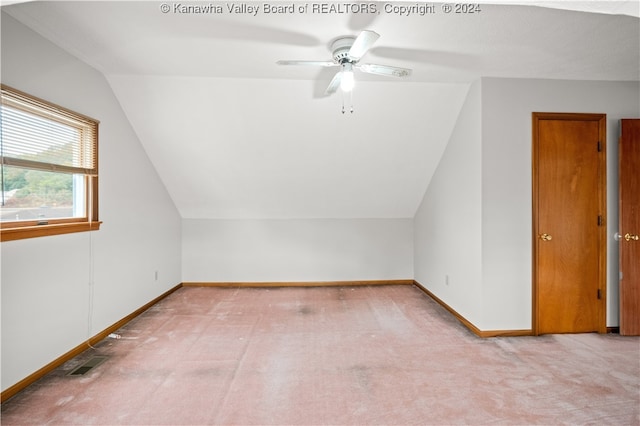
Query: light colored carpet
[[338, 356]]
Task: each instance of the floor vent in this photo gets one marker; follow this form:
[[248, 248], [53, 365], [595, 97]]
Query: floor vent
[[88, 365]]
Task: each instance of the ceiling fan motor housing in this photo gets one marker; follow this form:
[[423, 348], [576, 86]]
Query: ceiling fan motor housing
[[340, 48]]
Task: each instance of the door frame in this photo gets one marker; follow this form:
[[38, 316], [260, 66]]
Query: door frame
[[602, 205]]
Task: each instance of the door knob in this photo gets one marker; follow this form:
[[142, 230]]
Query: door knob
[[630, 237], [545, 237]]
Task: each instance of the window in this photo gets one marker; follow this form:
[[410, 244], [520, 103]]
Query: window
[[49, 168]]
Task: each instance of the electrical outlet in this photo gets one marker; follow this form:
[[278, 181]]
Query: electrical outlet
[[156, 276], [446, 279]]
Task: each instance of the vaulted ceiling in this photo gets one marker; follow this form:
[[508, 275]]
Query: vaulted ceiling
[[234, 135]]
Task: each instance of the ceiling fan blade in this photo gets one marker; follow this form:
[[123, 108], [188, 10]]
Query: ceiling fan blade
[[432, 57], [312, 63], [362, 44], [321, 80], [335, 83], [384, 70]]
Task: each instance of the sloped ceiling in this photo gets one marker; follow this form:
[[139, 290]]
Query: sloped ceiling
[[233, 135]]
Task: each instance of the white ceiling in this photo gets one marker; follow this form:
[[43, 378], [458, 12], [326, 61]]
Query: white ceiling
[[233, 135]]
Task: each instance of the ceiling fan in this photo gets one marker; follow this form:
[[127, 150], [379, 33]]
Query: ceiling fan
[[347, 52]]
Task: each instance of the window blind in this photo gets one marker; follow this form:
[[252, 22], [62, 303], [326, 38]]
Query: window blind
[[42, 136]]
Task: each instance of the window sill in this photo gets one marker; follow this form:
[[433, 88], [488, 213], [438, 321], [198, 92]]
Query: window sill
[[21, 233]]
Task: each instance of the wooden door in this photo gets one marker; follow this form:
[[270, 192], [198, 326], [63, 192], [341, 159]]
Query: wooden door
[[569, 233], [629, 191]]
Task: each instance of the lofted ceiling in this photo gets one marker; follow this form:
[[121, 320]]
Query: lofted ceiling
[[234, 135]]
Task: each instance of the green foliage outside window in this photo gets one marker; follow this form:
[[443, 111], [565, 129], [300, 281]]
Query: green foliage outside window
[[36, 188]]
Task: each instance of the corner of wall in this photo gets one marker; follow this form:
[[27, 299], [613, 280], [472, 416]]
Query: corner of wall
[[447, 224]]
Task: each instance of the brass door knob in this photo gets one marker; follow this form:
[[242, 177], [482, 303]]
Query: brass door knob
[[630, 237], [545, 237]]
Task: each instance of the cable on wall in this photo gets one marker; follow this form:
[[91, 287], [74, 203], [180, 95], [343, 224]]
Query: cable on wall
[[91, 279]]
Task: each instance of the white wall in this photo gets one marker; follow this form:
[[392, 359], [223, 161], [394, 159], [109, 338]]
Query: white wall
[[47, 282], [507, 105], [448, 227], [297, 250], [481, 194]]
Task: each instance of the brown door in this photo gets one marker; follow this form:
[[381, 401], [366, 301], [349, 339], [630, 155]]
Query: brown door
[[629, 189], [569, 202]]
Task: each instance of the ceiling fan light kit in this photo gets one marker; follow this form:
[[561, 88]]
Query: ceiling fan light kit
[[347, 82], [347, 52]]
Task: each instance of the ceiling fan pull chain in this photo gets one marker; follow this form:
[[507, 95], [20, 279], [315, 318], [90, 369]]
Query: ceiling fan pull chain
[[342, 101], [351, 100]]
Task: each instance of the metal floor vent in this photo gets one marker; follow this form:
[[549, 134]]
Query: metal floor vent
[[89, 365]]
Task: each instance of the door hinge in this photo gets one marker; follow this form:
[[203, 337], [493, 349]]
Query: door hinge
[[600, 220], [599, 294], [599, 146]]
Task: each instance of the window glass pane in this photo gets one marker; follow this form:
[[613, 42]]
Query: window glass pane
[[39, 195]]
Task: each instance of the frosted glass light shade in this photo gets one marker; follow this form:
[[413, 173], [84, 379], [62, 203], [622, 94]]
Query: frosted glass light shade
[[347, 82]]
